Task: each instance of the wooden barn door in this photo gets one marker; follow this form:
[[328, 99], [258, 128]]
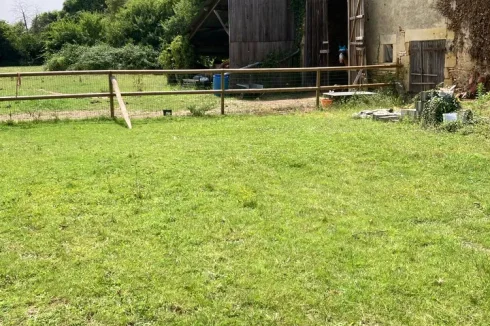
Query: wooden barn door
[[357, 47], [427, 61], [317, 47], [316, 34]]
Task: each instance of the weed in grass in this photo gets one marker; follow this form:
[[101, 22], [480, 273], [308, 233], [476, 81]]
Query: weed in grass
[[199, 110]]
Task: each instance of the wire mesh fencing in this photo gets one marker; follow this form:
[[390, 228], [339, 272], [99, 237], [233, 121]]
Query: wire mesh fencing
[[154, 93], [58, 97]]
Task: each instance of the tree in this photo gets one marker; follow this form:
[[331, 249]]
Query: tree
[[8, 53], [141, 22], [113, 6], [41, 22], [84, 29], [30, 48], [74, 6], [178, 55], [24, 12], [184, 12]]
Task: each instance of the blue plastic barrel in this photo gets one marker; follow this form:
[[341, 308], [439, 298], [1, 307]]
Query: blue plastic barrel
[[217, 82]]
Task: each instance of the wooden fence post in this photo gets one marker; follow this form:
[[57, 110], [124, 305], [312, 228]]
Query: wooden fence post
[[222, 93], [122, 105], [111, 97], [318, 85]]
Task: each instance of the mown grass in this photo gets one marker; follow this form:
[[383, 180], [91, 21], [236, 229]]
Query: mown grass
[[278, 220]]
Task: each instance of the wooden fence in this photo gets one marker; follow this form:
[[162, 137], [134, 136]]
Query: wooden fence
[[222, 92]]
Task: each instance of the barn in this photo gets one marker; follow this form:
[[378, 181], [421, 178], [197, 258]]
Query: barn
[[374, 31], [245, 31]]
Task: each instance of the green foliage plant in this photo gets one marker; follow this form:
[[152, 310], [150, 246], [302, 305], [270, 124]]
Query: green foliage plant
[[103, 56], [438, 105]]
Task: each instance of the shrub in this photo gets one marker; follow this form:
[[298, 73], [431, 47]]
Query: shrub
[[439, 104], [199, 110], [103, 56], [177, 55]]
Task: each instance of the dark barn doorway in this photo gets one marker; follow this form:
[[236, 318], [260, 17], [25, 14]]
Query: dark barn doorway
[[326, 29], [338, 37]]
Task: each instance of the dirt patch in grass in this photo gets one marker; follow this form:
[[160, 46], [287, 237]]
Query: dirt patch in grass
[[268, 105]]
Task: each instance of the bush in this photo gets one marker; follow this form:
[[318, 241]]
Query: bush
[[103, 57], [177, 55], [438, 105], [199, 110]]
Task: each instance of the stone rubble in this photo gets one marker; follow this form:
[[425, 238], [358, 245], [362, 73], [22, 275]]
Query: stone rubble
[[378, 115]]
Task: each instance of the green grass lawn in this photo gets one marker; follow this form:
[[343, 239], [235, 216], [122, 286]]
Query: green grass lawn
[[303, 219]]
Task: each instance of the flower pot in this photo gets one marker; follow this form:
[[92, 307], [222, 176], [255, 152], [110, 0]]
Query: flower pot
[[326, 102]]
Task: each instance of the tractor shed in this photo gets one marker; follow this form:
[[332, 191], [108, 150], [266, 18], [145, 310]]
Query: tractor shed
[[245, 31], [210, 30]]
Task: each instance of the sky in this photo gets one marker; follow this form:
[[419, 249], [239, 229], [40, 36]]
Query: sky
[[7, 11]]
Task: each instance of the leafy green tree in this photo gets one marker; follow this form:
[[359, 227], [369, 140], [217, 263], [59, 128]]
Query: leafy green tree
[[64, 31], [74, 6], [30, 48], [178, 54], [84, 29], [18, 46], [184, 12], [8, 52], [41, 22], [141, 22], [103, 56], [93, 26], [114, 6]]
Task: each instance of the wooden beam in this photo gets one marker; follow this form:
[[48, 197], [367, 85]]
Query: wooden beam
[[196, 71], [111, 97], [122, 105], [210, 11], [52, 97], [227, 30], [318, 85], [352, 33], [195, 92]]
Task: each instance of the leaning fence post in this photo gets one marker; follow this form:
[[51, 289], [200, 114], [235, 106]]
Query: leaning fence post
[[318, 85], [122, 105], [222, 92], [111, 96]]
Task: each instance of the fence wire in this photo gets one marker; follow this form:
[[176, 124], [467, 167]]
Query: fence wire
[[96, 88]]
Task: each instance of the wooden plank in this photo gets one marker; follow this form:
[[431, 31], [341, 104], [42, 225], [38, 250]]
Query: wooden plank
[[204, 19], [227, 30], [195, 92], [353, 30], [318, 87], [416, 71], [53, 97], [316, 45], [222, 93], [357, 17], [111, 97], [342, 94], [198, 71], [427, 62], [122, 105], [357, 52], [428, 75]]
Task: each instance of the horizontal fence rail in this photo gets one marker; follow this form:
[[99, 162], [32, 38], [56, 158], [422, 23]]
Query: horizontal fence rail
[[240, 82], [198, 71]]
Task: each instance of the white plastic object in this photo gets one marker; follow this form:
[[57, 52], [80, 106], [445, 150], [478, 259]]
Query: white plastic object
[[450, 117]]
